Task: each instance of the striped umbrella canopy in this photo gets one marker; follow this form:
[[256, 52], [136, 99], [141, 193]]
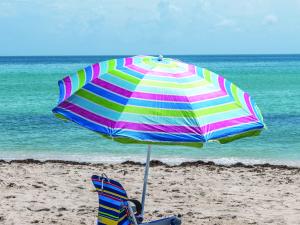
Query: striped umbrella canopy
[[155, 100], [145, 99]]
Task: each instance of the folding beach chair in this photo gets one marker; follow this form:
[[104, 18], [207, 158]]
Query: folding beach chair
[[115, 208]]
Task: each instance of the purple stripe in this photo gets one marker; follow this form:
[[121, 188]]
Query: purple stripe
[[96, 70], [154, 127], [129, 64], [249, 105], [87, 114], [128, 125], [227, 123], [156, 97], [202, 97], [159, 97], [221, 81], [111, 87], [68, 86]]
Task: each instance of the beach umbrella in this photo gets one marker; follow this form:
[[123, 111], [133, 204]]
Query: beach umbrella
[[156, 100]]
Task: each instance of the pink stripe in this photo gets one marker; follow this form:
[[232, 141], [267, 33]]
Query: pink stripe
[[87, 114], [68, 86], [157, 73], [137, 69], [96, 70], [249, 105], [191, 71], [202, 97], [129, 64], [128, 61], [221, 81], [157, 97], [128, 125], [111, 87], [155, 127], [227, 123]]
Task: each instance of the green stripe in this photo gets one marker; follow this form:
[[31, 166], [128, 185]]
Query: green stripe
[[239, 136], [207, 75], [180, 113], [109, 215], [81, 78], [125, 140], [150, 62], [99, 100], [154, 111], [234, 91], [59, 116], [125, 76]]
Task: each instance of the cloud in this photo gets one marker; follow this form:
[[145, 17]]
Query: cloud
[[118, 26], [226, 23], [270, 19], [7, 9]]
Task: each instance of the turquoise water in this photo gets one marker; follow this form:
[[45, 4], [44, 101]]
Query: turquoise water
[[28, 92]]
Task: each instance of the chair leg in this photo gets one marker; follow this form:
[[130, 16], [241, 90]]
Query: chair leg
[[132, 215], [166, 221]]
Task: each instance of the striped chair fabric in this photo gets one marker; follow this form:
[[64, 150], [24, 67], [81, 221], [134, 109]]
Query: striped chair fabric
[[113, 204]]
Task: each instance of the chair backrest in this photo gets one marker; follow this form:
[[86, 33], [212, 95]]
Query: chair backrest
[[113, 204]]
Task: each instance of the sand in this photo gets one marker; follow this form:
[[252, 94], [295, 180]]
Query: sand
[[33, 192]]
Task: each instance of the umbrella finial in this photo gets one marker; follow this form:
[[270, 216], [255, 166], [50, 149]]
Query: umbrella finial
[[160, 57]]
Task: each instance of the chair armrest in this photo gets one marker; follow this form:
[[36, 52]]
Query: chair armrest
[[138, 206]]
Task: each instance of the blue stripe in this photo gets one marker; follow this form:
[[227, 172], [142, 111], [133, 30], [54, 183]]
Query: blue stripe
[[104, 93], [138, 135], [74, 82], [199, 72], [83, 122], [228, 88], [111, 212], [111, 188], [108, 204], [233, 131], [118, 82], [258, 115], [88, 73], [155, 104], [162, 137], [103, 67], [62, 92], [125, 221], [109, 201], [116, 183], [120, 67]]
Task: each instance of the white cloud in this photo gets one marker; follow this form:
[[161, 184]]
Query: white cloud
[[270, 19], [169, 25], [6, 9], [226, 23]]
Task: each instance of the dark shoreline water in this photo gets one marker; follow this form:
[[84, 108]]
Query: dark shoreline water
[[154, 163]]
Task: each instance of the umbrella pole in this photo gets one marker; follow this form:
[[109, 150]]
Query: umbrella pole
[[146, 178]]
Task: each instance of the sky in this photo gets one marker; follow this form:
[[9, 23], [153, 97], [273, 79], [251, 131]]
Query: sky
[[131, 27]]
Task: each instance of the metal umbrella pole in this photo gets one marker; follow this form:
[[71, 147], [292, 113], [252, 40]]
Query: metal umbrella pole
[[146, 179]]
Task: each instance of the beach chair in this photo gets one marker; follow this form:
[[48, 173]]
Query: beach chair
[[115, 208]]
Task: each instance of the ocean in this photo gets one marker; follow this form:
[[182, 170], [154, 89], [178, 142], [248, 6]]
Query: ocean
[[29, 91]]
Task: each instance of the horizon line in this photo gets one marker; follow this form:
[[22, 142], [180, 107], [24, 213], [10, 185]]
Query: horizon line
[[93, 55]]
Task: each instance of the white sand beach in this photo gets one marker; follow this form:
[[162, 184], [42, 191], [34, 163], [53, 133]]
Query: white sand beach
[[60, 193]]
